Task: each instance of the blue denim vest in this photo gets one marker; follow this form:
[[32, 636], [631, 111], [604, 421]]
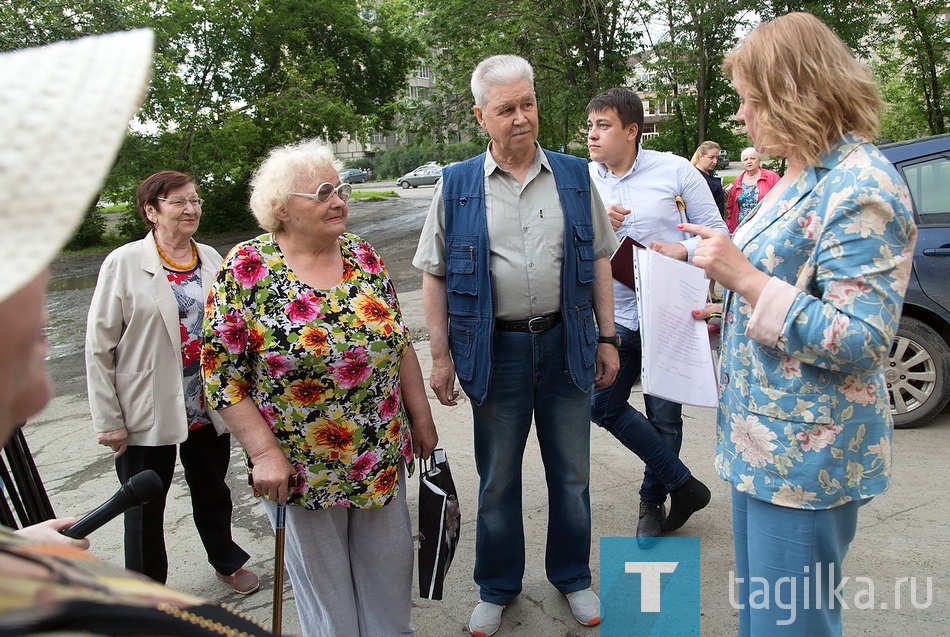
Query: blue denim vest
[[468, 284]]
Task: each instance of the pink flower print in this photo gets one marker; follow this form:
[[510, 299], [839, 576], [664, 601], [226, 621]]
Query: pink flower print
[[857, 391], [791, 367], [270, 415], [277, 364], [819, 437], [387, 408], [233, 332], [353, 369], [405, 448], [367, 258], [364, 463], [811, 226], [834, 334], [753, 440], [302, 309], [247, 266], [301, 485], [843, 293]]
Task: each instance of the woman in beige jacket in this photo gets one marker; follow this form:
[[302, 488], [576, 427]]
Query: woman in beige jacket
[[143, 348]]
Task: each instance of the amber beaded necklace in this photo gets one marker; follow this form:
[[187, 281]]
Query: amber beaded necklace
[[179, 266]]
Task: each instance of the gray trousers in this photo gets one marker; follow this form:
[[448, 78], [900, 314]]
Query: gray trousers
[[351, 569]]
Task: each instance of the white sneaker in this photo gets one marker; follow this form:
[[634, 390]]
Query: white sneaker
[[585, 605], [486, 618]]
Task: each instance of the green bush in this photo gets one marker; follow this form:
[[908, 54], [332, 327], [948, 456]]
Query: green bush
[[90, 231], [225, 210], [130, 226]]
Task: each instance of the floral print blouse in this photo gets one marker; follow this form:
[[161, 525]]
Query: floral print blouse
[[322, 367], [186, 286], [804, 418]]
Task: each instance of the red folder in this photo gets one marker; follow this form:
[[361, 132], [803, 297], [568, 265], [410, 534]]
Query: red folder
[[621, 261]]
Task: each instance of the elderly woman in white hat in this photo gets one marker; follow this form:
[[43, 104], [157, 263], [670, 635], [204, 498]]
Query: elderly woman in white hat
[[64, 109], [143, 346]]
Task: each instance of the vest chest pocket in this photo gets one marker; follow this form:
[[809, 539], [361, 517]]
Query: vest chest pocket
[[584, 248], [460, 270]]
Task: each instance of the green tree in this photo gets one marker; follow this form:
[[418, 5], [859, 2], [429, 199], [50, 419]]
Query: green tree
[[855, 21], [234, 78], [684, 68], [577, 48], [914, 69], [26, 23]]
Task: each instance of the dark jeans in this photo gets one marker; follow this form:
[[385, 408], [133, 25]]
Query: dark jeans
[[656, 438], [529, 381], [205, 457]]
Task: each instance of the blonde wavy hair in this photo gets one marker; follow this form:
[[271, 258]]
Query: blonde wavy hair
[[805, 86], [702, 149], [281, 174]]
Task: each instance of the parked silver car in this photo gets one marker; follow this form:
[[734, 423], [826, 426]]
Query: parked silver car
[[353, 176], [427, 175]]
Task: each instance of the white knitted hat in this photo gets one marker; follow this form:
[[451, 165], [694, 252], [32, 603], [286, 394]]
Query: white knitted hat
[[64, 111]]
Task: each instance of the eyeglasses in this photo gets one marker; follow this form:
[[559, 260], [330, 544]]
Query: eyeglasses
[[326, 190], [196, 202]]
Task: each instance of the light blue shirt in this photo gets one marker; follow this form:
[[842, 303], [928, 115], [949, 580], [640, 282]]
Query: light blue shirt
[[648, 191]]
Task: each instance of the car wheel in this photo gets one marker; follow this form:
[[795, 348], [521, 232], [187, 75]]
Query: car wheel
[[918, 374], [404, 184], [415, 185]]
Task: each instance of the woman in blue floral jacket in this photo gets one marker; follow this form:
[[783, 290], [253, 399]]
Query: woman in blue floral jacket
[[815, 279]]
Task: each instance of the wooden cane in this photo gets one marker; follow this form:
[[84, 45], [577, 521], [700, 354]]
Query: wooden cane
[[279, 567]]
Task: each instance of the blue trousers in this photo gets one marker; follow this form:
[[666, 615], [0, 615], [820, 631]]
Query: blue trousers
[[788, 563], [530, 379], [656, 438]]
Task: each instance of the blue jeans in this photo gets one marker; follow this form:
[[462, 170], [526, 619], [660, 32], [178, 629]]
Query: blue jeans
[[656, 438], [774, 547], [530, 378]]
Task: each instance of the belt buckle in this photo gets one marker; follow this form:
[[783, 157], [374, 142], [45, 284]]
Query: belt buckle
[[540, 321]]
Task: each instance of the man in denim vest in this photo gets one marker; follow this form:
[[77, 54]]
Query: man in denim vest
[[519, 305]]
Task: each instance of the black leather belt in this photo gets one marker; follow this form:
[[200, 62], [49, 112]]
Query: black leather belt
[[534, 325]]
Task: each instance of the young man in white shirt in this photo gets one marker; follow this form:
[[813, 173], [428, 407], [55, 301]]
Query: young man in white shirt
[[639, 188]]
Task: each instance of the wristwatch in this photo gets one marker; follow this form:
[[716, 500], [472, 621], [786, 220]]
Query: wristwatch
[[613, 340]]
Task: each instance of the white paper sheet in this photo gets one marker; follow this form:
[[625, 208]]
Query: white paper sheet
[[677, 360]]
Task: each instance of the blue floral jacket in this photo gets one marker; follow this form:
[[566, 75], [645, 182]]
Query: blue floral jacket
[[804, 418]]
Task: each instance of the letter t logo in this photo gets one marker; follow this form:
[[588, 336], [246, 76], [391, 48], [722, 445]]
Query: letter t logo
[[650, 582]]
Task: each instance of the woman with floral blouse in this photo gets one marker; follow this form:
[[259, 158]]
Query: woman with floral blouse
[[308, 361], [814, 284]]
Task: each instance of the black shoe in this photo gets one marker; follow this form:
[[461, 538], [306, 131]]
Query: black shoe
[[685, 501], [651, 520]]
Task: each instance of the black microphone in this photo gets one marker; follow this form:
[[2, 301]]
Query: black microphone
[[140, 488]]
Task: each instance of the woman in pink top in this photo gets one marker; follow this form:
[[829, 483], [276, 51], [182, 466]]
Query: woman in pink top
[[748, 189]]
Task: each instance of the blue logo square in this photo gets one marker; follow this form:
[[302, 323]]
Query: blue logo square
[[651, 590]]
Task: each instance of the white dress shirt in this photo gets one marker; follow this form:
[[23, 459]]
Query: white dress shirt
[[648, 190]]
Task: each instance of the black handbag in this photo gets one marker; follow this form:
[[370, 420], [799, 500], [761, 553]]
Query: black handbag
[[439, 523]]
